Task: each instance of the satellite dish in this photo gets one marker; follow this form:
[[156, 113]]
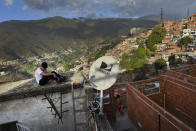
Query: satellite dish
[[103, 73]]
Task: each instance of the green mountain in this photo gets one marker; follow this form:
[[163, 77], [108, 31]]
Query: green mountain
[[20, 39], [157, 18]]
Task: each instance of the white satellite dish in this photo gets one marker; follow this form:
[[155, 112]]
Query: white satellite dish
[[103, 74]]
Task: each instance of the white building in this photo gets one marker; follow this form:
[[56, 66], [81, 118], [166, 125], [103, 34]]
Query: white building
[[186, 32], [193, 32], [77, 68]]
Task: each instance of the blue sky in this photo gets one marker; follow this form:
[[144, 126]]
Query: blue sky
[[14, 11], [18, 10], [8, 12], [38, 9]]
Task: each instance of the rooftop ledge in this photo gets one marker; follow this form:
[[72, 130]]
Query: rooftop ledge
[[32, 89]]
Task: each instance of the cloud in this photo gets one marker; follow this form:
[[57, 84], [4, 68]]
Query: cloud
[[24, 7], [8, 3], [121, 8], [91, 15]]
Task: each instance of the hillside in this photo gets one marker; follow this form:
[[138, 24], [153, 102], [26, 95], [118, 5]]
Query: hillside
[[20, 39], [166, 17]]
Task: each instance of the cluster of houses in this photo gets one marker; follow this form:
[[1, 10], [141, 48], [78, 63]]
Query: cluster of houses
[[13, 62], [36, 59], [127, 45], [175, 31], [168, 47]]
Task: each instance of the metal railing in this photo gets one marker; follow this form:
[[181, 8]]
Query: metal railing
[[21, 127]]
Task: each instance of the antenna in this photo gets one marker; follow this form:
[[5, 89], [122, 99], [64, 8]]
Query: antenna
[[162, 22], [187, 13], [103, 74]]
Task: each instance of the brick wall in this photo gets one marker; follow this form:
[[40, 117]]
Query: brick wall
[[177, 95], [192, 72], [181, 76], [174, 108], [145, 114], [141, 114], [180, 100], [158, 98], [110, 111]]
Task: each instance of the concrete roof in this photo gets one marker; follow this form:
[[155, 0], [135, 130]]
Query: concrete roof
[[162, 53], [184, 53]]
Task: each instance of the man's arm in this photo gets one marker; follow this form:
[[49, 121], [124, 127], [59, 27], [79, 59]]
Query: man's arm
[[48, 74]]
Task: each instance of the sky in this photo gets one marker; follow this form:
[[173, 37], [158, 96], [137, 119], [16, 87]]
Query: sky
[[38, 9]]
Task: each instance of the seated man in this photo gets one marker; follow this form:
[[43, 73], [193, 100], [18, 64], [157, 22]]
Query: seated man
[[42, 76]]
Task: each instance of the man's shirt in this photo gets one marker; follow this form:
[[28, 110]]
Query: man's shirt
[[38, 75]]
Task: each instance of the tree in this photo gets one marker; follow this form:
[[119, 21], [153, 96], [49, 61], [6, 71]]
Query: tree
[[156, 37], [159, 30], [185, 41], [159, 64], [172, 60], [135, 59], [59, 71], [29, 68], [66, 67], [125, 60]]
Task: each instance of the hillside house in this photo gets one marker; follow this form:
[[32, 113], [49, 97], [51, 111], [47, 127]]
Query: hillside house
[[170, 50], [159, 55], [165, 41], [193, 17], [161, 46], [193, 33]]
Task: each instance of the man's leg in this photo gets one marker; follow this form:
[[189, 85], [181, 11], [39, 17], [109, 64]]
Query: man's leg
[[43, 81], [56, 74], [59, 78], [52, 78]]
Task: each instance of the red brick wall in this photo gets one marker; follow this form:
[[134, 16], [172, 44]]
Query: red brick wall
[[177, 91], [140, 113], [110, 111], [146, 112], [192, 72], [184, 67], [180, 101], [158, 98], [181, 76]]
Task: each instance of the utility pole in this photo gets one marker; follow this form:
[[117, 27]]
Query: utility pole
[[162, 22], [188, 13]]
